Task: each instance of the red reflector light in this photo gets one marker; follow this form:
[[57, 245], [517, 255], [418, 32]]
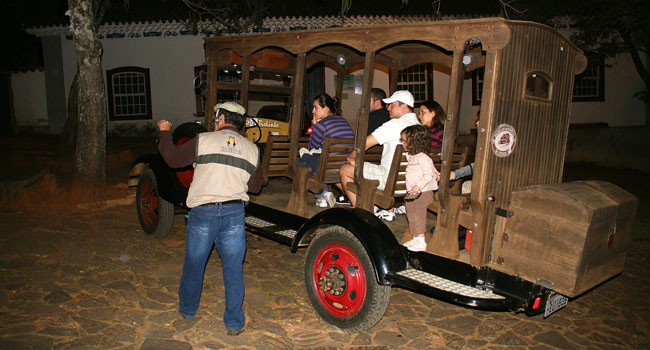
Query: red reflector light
[[610, 241], [538, 300], [309, 130]]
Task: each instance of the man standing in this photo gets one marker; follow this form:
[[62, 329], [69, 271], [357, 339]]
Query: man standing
[[378, 112], [225, 169], [400, 108]]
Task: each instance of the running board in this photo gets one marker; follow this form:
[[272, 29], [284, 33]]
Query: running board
[[444, 289], [270, 230], [272, 224]]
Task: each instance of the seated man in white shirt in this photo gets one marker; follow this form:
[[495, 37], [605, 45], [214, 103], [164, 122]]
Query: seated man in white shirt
[[400, 107]]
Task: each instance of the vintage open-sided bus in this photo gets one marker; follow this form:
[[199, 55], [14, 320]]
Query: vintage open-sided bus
[[535, 243]]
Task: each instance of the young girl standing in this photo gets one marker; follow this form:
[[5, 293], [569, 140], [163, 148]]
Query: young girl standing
[[421, 181]]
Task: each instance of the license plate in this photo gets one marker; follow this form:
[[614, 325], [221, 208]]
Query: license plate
[[554, 303]]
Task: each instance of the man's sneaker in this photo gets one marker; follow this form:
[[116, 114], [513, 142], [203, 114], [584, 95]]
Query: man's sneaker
[[385, 215], [329, 198], [321, 202], [342, 200], [400, 210], [419, 245], [232, 333]]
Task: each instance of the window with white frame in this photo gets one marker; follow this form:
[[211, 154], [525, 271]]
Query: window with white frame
[[415, 79], [129, 93], [589, 85]]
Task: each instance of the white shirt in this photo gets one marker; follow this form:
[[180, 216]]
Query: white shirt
[[388, 135]]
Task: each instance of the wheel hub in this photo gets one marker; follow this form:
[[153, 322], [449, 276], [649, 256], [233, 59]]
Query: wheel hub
[[333, 281], [145, 204]]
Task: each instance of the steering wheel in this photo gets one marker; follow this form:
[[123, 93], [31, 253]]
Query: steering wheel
[[254, 131]]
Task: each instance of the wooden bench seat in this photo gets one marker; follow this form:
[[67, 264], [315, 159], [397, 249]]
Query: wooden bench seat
[[275, 159], [334, 154], [460, 158], [396, 181], [444, 241]]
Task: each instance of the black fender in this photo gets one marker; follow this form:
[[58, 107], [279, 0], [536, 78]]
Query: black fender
[[169, 187], [381, 245]]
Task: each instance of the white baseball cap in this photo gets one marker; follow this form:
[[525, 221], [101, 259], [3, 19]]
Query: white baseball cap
[[402, 96]]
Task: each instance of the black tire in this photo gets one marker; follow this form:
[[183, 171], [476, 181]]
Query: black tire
[[355, 301], [156, 215], [189, 130]]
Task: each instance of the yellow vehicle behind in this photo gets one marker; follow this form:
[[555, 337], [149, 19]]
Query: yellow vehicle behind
[[270, 120]]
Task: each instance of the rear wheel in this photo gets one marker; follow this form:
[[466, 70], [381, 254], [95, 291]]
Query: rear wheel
[[156, 215], [340, 282]]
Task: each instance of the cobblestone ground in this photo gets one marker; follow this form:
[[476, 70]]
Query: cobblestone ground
[[91, 279]]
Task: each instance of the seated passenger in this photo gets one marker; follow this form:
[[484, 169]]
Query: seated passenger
[[377, 117], [433, 117], [378, 112], [401, 113], [325, 123]]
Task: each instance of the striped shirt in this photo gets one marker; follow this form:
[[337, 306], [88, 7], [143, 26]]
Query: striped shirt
[[332, 126], [436, 136]]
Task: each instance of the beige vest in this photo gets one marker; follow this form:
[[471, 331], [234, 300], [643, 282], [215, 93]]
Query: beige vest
[[225, 160]]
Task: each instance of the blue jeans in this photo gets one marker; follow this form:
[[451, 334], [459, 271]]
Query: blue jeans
[[221, 225]]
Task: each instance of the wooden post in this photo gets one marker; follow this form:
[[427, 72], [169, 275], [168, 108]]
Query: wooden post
[[339, 83], [208, 118], [445, 237], [245, 81], [366, 195], [393, 72], [451, 128], [296, 111]]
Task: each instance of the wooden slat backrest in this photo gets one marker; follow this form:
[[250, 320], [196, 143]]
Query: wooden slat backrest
[[275, 160], [396, 181], [373, 154], [334, 153]]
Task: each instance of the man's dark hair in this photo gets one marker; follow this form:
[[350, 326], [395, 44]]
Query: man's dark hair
[[233, 118], [378, 94]]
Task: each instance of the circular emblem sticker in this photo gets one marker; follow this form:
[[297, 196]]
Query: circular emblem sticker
[[503, 141]]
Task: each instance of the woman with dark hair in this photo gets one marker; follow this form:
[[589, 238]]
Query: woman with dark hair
[[433, 117], [325, 122]]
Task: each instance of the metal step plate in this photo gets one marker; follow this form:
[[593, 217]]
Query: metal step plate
[[270, 227], [257, 222], [447, 285]]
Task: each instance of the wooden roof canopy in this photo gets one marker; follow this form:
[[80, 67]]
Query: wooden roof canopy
[[396, 46]]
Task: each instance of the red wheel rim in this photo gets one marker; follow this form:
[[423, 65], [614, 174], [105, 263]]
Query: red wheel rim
[[346, 278], [149, 203]]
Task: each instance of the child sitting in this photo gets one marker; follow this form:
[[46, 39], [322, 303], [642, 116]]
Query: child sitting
[[421, 181]]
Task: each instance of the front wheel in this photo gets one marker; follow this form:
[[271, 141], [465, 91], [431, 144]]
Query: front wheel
[[156, 215], [340, 282]]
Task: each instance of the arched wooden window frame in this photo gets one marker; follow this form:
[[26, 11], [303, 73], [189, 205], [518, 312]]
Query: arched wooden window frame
[[113, 116], [536, 93]]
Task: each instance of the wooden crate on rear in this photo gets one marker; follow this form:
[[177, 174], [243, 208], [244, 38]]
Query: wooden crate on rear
[[568, 237]]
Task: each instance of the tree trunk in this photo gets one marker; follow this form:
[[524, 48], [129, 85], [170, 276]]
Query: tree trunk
[[90, 151]]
